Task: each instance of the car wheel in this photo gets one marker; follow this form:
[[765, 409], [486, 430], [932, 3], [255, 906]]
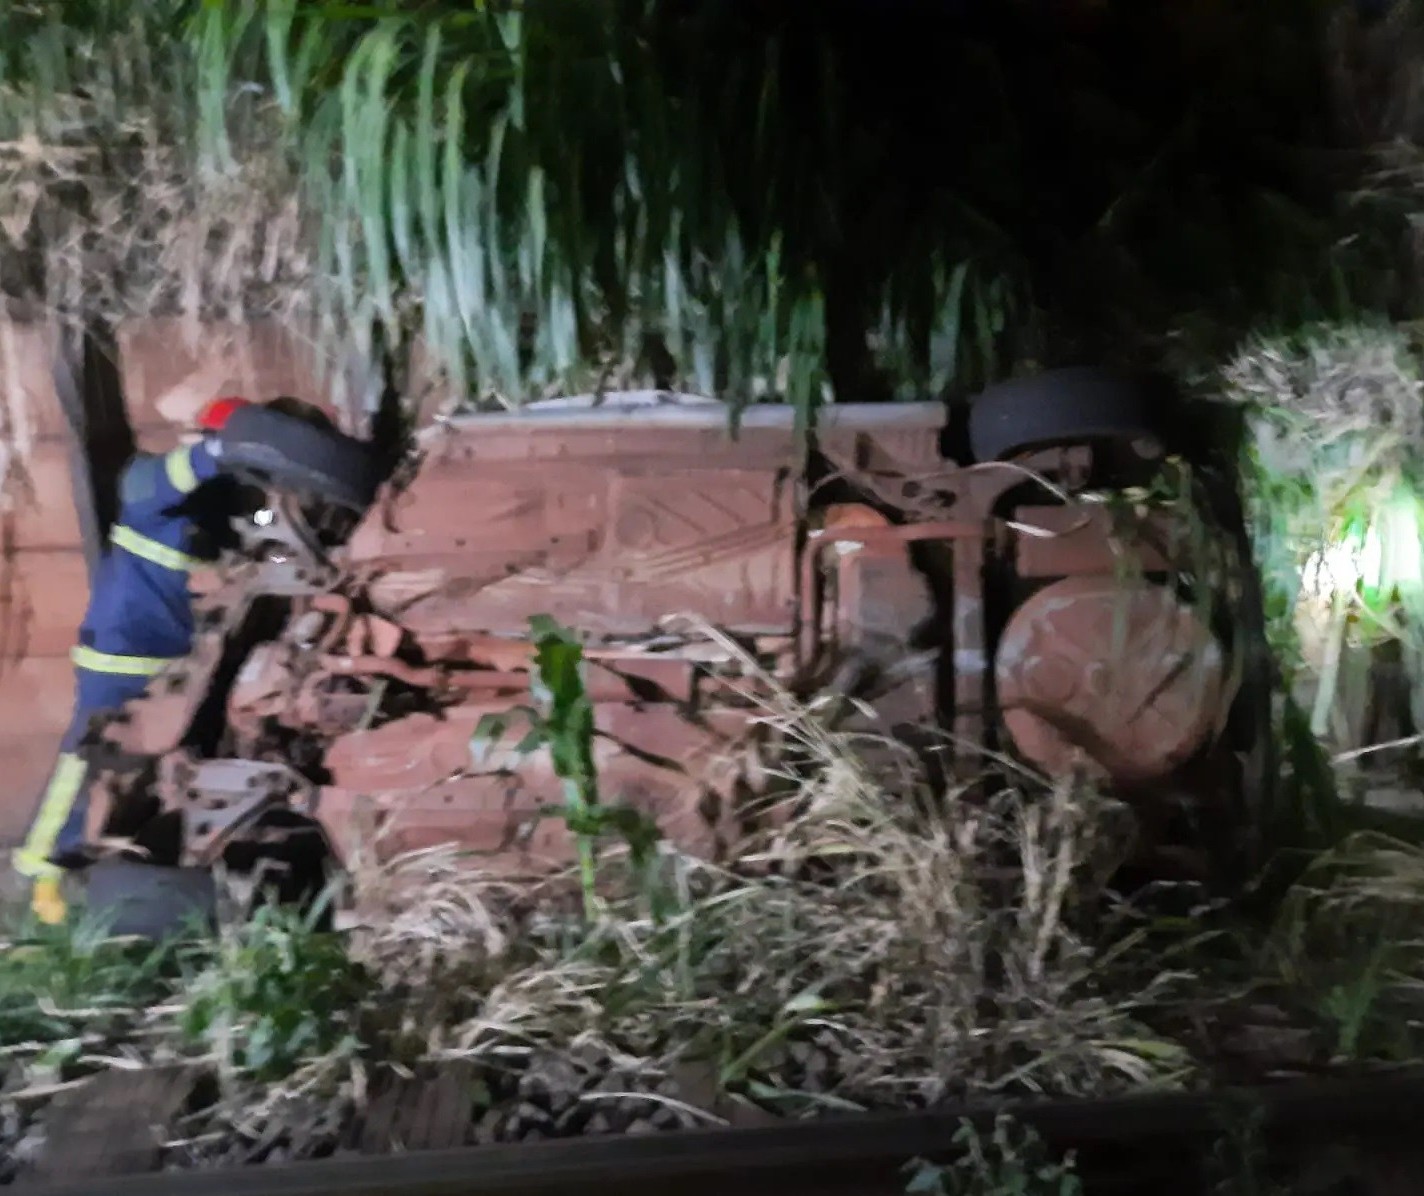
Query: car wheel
[[134, 899], [289, 453], [1069, 406]]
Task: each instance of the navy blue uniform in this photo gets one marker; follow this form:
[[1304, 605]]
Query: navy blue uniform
[[140, 619]]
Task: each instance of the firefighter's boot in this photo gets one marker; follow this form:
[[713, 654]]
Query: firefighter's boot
[[47, 901]]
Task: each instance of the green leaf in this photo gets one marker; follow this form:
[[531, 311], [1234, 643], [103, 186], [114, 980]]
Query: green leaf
[[926, 1178], [455, 179], [538, 224], [488, 731], [427, 137], [532, 742], [403, 231], [312, 44], [489, 216], [278, 29], [544, 627], [372, 157]]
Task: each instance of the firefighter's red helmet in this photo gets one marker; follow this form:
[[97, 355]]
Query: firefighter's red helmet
[[215, 415]]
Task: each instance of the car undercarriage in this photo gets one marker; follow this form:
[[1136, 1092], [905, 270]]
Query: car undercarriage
[[1041, 602]]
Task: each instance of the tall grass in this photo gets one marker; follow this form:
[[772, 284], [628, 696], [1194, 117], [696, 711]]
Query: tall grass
[[1336, 415], [103, 216], [728, 199], [745, 204], [881, 950], [552, 199]]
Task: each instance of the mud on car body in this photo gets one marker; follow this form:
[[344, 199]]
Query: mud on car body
[[1004, 584]]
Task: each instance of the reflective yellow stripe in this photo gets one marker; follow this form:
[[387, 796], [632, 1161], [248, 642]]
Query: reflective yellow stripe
[[27, 864], [128, 666], [63, 789], [151, 550], [179, 467]]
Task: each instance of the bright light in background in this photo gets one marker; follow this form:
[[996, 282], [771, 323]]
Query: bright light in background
[[264, 517], [1339, 568], [1376, 564], [1386, 556]]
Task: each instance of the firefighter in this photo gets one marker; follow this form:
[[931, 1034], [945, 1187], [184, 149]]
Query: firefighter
[[139, 619]]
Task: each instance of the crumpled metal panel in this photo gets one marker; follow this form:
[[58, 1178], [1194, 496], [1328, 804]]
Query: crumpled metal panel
[[1076, 540], [263, 686], [595, 529], [424, 787], [1119, 678], [611, 523], [217, 797]]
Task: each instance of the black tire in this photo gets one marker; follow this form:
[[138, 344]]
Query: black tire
[[1069, 406], [289, 453], [306, 864], [150, 901]]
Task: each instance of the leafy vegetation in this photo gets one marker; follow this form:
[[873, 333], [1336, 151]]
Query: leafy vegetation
[[104, 216], [871, 954], [274, 994], [1011, 1162], [758, 229], [565, 728], [729, 199], [1337, 415], [74, 987], [740, 201]]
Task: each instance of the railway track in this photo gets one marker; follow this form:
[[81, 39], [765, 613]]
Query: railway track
[[1363, 1132]]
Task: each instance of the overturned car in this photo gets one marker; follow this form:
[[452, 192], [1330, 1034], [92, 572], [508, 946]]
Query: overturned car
[[1022, 584]]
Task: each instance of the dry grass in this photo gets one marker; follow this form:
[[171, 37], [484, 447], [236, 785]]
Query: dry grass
[[138, 231], [109, 213], [1355, 388], [885, 948], [1336, 424], [1349, 934]]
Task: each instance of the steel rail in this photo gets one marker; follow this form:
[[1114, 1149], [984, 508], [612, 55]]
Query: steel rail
[[1145, 1143]]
